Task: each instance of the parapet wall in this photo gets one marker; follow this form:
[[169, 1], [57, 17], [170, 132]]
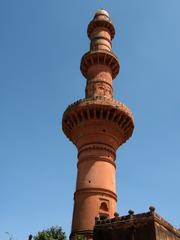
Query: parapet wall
[[148, 226]]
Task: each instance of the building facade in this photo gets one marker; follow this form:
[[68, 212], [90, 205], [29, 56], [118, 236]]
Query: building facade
[[148, 226]]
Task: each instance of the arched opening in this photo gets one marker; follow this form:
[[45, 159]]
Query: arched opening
[[104, 206]]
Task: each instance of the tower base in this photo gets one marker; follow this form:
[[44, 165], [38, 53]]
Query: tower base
[[81, 235]]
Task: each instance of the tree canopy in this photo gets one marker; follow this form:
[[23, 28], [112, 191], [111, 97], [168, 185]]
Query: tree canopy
[[53, 233]]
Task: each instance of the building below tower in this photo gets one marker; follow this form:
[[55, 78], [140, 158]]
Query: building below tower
[[144, 226]]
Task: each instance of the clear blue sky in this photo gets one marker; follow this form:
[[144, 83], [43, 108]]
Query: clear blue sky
[[41, 44]]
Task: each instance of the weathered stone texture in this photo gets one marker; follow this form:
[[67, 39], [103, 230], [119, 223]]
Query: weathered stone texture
[[148, 226], [97, 125]]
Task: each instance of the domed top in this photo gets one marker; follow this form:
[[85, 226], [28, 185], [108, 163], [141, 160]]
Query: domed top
[[102, 12], [101, 19]]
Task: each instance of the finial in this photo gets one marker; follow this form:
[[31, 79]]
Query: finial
[[116, 215], [102, 12], [152, 209], [30, 237], [131, 212]]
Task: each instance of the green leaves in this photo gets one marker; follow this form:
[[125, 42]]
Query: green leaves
[[53, 233]]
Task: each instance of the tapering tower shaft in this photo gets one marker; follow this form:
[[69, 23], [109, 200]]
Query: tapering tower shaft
[[97, 125]]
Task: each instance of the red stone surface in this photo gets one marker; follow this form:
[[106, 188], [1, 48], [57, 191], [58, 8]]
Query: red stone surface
[[97, 125]]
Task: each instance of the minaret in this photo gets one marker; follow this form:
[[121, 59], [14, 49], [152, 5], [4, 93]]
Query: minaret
[[97, 125]]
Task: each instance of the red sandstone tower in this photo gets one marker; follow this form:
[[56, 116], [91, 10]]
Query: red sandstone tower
[[97, 125]]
